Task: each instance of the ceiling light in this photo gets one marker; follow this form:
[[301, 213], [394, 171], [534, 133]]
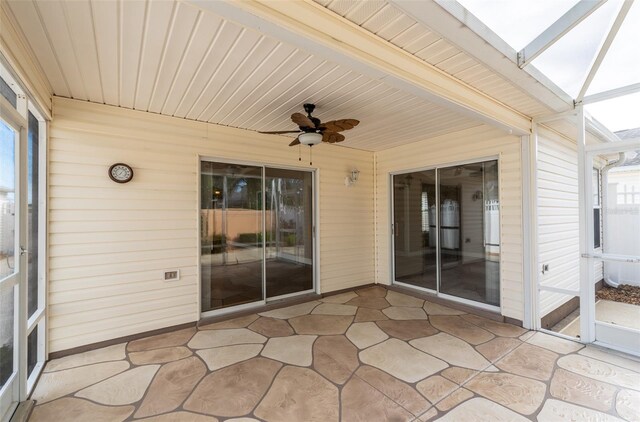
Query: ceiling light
[[310, 138]]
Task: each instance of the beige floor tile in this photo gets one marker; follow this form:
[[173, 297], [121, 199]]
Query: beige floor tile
[[125, 388], [407, 329], [105, 354], [520, 394], [495, 349], [628, 405], [242, 420], [612, 357], [404, 313], [497, 328], [582, 391], [234, 390], [436, 388], [365, 334], [334, 309], [220, 357], [460, 328], [339, 298], [162, 341], [240, 322], [369, 302], [600, 371], [396, 390], [555, 344], [368, 315], [437, 309], [362, 402], [76, 410], [335, 357], [322, 325], [526, 336], [57, 384], [299, 394], [481, 410], [271, 327], [401, 360], [182, 417], [452, 350], [454, 399], [459, 375], [556, 410], [228, 337], [159, 355], [529, 361], [171, 386], [428, 415], [374, 291], [291, 311], [294, 350], [400, 299]]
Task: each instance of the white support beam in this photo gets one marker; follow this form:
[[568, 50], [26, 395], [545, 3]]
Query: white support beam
[[600, 130], [612, 93], [620, 146], [604, 48], [556, 30], [319, 31]]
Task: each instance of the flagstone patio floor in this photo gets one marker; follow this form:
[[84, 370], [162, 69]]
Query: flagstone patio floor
[[368, 355]]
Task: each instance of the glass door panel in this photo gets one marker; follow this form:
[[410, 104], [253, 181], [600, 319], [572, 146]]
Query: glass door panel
[[289, 231], [415, 232], [231, 235]]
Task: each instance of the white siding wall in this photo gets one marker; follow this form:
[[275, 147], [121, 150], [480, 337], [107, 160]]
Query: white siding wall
[[110, 243], [471, 144]]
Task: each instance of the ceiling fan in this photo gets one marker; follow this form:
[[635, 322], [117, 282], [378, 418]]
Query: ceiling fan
[[312, 131]]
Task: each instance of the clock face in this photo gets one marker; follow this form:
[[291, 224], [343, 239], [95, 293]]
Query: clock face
[[120, 173]]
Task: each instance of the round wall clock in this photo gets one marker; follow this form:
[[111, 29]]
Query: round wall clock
[[120, 173]]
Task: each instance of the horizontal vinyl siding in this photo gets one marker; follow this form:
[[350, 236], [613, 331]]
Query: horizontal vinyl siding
[[109, 244], [472, 144]]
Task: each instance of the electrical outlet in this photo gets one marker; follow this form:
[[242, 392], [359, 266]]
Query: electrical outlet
[[172, 275]]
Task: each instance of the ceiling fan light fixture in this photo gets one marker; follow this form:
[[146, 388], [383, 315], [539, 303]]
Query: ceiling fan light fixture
[[310, 138]]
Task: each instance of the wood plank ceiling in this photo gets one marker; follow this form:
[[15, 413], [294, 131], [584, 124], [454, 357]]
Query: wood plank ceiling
[[172, 58]]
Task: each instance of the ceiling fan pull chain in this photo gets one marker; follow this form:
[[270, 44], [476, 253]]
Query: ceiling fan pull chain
[[299, 152], [310, 155]]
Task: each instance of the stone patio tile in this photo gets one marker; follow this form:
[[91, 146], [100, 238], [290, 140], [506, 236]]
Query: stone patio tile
[[242, 420], [460, 328], [57, 384], [365, 334], [335, 357], [334, 309], [408, 329], [428, 415], [520, 394], [125, 388], [105, 354], [171, 386], [553, 343], [628, 404], [369, 302], [76, 410], [436, 388], [396, 390], [600, 371], [526, 336], [437, 309], [240, 322], [300, 394], [583, 391], [452, 350], [529, 361], [401, 360], [373, 291], [459, 375], [339, 298], [497, 328], [234, 390], [159, 355], [404, 313], [162, 341], [228, 337], [609, 356], [322, 325], [495, 349], [400, 299], [220, 357], [481, 410], [291, 311], [294, 350], [454, 399], [182, 417], [556, 410], [368, 315], [271, 327], [362, 402]]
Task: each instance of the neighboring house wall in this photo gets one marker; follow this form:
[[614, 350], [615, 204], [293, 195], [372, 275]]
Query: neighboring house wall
[[476, 143], [109, 243]]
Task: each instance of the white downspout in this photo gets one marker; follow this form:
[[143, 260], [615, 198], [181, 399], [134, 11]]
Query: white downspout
[[605, 192]]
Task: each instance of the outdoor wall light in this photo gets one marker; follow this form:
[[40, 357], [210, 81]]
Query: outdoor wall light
[[352, 178]]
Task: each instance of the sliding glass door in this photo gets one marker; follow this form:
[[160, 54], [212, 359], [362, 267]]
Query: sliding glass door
[[446, 233], [256, 234]]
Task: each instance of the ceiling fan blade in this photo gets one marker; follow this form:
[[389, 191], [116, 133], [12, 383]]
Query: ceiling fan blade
[[332, 137], [278, 132], [340, 125], [295, 142], [302, 120]]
